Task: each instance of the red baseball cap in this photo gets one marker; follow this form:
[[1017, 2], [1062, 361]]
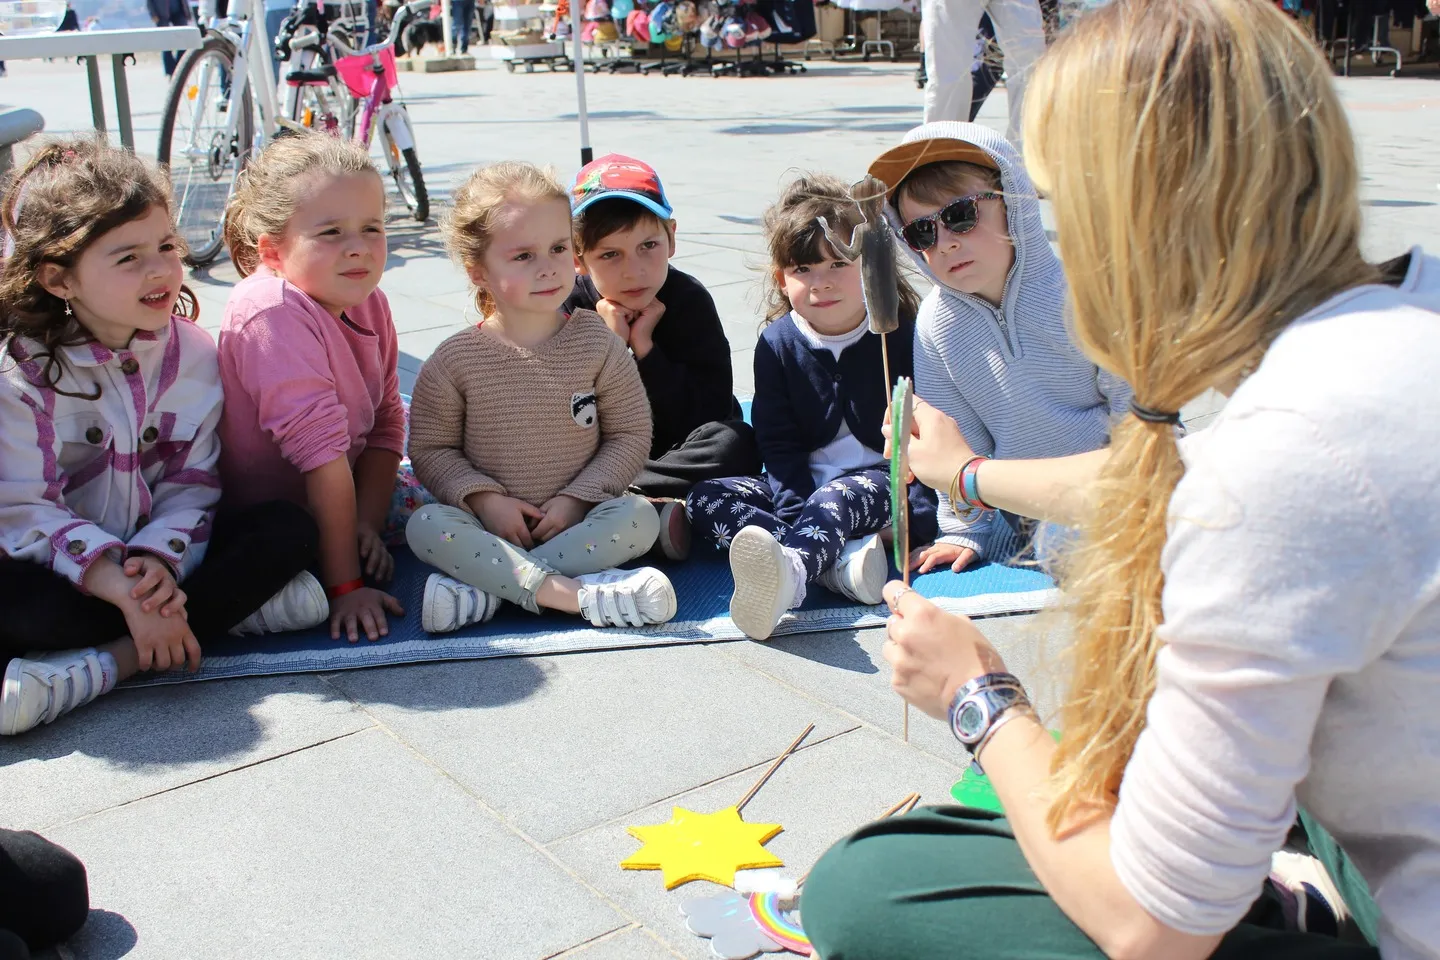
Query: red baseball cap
[[614, 175]]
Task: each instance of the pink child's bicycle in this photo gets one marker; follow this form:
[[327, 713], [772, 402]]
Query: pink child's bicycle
[[355, 87]]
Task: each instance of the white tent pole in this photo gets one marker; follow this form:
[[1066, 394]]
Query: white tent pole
[[446, 27], [586, 154]]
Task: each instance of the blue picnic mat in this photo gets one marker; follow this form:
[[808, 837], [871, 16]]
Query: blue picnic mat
[[702, 584]]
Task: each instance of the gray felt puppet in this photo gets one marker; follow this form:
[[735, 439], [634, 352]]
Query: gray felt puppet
[[873, 242]]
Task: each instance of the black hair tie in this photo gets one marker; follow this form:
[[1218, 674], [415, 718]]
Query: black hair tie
[[1151, 415]]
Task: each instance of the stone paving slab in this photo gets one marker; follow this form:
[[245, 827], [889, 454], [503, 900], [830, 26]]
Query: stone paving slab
[[136, 743], [636, 944], [849, 669], [356, 849], [586, 737], [818, 795]]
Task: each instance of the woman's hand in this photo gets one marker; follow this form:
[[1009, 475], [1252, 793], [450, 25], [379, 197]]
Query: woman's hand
[[937, 447], [157, 589], [362, 609], [560, 514], [932, 653], [925, 559]]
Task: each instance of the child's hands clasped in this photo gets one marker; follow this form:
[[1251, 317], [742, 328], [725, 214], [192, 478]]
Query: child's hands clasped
[[560, 513], [156, 588], [375, 559], [616, 317], [161, 642], [362, 609], [507, 518], [635, 327]]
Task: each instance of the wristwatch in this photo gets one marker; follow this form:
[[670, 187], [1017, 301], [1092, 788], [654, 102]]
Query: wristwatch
[[978, 706]]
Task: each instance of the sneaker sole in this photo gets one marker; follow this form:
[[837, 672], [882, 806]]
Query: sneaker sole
[[674, 531], [672, 602], [10, 700], [756, 605]]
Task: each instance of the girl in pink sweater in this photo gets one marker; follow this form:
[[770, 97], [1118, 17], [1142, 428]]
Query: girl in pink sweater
[[308, 359]]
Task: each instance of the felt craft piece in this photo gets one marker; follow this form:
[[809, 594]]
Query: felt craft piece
[[780, 920], [873, 243], [902, 417], [728, 922], [702, 846]]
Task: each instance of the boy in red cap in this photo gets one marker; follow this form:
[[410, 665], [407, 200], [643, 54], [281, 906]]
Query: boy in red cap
[[624, 239]]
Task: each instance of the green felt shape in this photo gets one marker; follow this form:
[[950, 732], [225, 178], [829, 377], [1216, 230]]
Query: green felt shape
[[973, 789]]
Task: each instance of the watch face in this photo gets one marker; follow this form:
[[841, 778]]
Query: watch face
[[970, 721]]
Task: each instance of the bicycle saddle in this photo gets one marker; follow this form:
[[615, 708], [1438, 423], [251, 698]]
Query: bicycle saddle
[[322, 75]]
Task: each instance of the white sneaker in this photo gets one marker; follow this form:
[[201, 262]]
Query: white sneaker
[[766, 582], [451, 604], [626, 598], [299, 605], [37, 691], [860, 572]]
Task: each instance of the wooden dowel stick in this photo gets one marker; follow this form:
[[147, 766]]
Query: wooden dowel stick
[[885, 357], [740, 807]]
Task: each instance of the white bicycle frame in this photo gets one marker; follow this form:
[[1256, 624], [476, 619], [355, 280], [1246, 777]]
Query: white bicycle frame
[[254, 70]]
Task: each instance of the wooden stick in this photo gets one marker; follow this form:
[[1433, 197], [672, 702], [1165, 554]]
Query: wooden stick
[[885, 357], [903, 807], [740, 807]]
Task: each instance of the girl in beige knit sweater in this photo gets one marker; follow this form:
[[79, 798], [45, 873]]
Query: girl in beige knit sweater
[[529, 428]]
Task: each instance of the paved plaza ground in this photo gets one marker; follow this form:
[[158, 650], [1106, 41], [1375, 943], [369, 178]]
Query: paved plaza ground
[[478, 809]]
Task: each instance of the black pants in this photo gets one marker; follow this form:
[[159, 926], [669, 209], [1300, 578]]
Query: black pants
[[723, 448], [253, 552], [44, 898]]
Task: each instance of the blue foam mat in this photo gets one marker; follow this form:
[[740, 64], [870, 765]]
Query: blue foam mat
[[702, 584]]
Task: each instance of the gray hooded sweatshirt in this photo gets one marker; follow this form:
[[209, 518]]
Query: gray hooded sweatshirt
[[1010, 376]]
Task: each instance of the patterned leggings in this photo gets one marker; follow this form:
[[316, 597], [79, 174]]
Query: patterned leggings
[[847, 508]]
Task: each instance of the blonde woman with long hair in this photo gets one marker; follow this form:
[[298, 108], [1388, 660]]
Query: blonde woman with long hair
[[1255, 606]]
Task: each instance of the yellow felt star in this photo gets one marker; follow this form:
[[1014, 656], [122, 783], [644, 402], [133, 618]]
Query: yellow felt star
[[703, 846]]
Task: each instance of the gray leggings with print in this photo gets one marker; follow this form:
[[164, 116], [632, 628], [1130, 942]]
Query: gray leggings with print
[[454, 542]]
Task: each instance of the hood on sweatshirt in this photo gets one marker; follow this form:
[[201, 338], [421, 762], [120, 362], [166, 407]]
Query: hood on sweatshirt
[[1034, 258]]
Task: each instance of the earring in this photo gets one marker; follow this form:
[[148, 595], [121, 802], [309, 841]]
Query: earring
[[68, 311]]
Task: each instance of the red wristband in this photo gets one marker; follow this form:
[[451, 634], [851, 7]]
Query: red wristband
[[340, 589]]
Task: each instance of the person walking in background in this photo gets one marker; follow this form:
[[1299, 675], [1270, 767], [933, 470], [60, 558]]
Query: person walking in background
[[169, 13], [462, 14], [948, 29]]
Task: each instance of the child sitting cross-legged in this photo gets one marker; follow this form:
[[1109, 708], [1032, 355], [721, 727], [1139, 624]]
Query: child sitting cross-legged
[[820, 400], [113, 557], [528, 428], [624, 239]]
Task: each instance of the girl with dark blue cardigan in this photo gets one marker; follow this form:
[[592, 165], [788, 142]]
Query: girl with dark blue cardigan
[[820, 396]]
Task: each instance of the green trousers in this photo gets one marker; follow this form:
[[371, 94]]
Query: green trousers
[[950, 883]]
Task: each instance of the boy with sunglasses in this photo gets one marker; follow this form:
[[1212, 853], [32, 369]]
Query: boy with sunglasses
[[991, 347]]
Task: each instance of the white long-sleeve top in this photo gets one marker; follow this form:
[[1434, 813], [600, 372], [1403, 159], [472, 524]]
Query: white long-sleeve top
[[133, 470], [1302, 627]]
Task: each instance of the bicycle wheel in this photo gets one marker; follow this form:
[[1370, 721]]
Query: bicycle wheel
[[202, 155], [398, 142]]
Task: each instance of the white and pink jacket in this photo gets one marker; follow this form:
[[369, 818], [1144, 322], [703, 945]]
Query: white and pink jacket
[[133, 470]]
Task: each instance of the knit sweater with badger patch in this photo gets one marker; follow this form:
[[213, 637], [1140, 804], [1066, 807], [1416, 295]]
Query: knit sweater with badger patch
[[566, 417]]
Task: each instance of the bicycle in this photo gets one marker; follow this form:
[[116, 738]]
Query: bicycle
[[327, 92], [209, 127]]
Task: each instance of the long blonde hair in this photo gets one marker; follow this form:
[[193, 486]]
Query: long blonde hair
[[470, 227], [271, 185], [1205, 191]]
